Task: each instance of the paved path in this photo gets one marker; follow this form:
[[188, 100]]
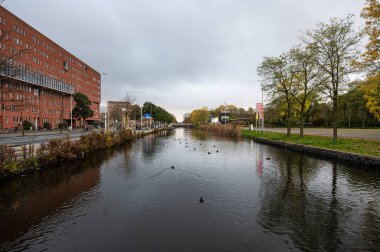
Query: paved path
[[36, 137], [370, 134]]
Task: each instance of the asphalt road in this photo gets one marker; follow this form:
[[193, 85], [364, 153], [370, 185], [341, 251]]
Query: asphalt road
[[36, 138]]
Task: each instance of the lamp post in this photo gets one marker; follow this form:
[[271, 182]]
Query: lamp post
[[71, 107], [106, 115], [140, 107]]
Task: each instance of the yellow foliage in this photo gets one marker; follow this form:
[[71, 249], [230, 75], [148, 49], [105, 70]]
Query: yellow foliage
[[371, 90]]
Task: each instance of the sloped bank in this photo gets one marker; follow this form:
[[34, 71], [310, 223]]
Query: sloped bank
[[59, 150], [353, 158]]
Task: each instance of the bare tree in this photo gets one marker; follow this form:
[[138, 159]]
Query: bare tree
[[336, 46], [130, 99]]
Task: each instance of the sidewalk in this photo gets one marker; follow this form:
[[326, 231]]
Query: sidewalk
[[369, 134], [38, 133]]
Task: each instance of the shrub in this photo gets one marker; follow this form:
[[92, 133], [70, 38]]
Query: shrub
[[27, 125], [47, 125], [7, 156], [63, 125], [223, 129]]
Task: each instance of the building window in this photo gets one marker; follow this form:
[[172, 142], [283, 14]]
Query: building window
[[65, 65]]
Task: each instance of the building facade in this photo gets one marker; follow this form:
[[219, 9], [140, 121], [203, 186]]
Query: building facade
[[117, 112], [38, 78]]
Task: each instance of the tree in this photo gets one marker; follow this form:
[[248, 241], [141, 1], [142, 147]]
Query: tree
[[335, 44], [200, 116], [371, 90], [82, 108], [129, 99], [308, 79], [158, 114], [278, 79], [371, 57]]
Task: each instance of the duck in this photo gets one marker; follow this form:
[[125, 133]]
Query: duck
[[172, 166], [201, 199], [268, 158], [209, 152], [217, 151]]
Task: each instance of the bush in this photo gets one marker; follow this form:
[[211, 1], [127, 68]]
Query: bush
[[63, 125], [57, 150], [7, 156], [47, 126], [223, 129], [26, 125]]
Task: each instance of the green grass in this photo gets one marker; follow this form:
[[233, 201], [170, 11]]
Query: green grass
[[359, 146]]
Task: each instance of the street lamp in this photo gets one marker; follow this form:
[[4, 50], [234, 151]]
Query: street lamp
[[71, 107], [106, 114], [140, 107]]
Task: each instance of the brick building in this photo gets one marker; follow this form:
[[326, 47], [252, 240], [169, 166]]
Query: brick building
[[38, 77], [117, 111]]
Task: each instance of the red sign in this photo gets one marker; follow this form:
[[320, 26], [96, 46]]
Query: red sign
[[260, 110]]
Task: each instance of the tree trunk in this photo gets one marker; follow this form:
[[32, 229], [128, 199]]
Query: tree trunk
[[289, 121], [301, 119], [334, 119]]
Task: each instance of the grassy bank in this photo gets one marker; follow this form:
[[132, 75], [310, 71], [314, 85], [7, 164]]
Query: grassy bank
[[358, 146]]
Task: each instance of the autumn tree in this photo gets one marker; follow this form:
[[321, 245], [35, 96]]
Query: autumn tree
[[335, 44], [278, 76], [200, 116], [371, 57]]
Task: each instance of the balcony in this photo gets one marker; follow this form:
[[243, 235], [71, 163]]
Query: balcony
[[36, 79]]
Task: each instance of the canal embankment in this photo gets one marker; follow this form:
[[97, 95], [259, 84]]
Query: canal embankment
[[25, 159], [355, 151]]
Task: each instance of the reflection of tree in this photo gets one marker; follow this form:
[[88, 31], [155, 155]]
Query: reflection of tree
[[149, 143], [289, 208], [333, 243]]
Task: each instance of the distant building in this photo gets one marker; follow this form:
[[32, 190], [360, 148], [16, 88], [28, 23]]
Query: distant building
[[116, 111], [214, 120], [224, 117]]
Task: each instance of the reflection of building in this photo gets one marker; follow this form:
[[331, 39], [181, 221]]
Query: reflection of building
[[38, 76], [224, 116]]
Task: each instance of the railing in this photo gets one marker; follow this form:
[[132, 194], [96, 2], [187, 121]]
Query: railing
[[21, 74]]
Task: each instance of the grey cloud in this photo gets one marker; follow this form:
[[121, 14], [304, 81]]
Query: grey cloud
[[186, 53]]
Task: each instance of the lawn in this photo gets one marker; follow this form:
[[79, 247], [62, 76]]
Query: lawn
[[359, 146]]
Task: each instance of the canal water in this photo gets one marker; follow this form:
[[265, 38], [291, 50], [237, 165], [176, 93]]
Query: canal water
[[256, 198]]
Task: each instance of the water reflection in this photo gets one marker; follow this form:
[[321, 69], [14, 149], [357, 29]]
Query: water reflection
[[297, 203], [26, 201], [257, 198]]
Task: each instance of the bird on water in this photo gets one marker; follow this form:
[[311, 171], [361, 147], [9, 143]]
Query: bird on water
[[201, 200]]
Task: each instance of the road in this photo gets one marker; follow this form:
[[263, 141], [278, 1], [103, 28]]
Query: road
[[370, 134], [16, 140]]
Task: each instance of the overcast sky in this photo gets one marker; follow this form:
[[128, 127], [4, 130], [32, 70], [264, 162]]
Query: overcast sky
[[182, 54]]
